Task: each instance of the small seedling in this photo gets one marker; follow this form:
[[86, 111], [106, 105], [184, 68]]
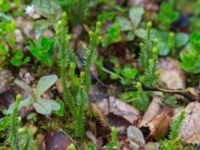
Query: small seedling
[[41, 105], [113, 143], [43, 50]]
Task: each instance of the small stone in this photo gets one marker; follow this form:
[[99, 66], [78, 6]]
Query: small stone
[[6, 80]]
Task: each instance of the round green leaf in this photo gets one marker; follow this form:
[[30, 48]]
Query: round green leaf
[[181, 39]]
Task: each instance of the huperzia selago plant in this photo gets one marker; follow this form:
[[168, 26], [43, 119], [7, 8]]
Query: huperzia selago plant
[[75, 95], [18, 137], [148, 60]]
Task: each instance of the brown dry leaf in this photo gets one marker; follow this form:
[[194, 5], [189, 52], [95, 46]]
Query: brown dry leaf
[[159, 126], [57, 141], [91, 136], [171, 74], [153, 110], [119, 108], [59, 86], [31, 127], [190, 130], [157, 118]]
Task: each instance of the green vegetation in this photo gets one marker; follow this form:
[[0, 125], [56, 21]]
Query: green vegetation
[[174, 140], [43, 50], [77, 99], [41, 105], [65, 56], [113, 142], [190, 59]]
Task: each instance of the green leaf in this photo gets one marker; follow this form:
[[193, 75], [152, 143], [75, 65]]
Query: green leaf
[[195, 41], [45, 107], [113, 34], [190, 61], [105, 16], [26, 60], [17, 60], [128, 72], [163, 48], [141, 33], [125, 24], [24, 103], [135, 14], [5, 17], [4, 5], [24, 86], [135, 135], [181, 39], [61, 111], [42, 107], [166, 15], [4, 123], [45, 83], [43, 50]]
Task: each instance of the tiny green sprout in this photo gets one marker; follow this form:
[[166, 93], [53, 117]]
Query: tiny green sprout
[[139, 86], [19, 97], [64, 17], [82, 75], [58, 24], [141, 44], [113, 143], [98, 24], [19, 118], [72, 147], [157, 73], [114, 134], [100, 38], [91, 33], [171, 40], [21, 130], [155, 42], [155, 52], [72, 68], [171, 34], [149, 26]]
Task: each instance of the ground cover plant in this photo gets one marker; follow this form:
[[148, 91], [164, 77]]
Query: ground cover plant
[[98, 74]]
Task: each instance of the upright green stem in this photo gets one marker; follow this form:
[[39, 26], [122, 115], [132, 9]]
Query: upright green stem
[[14, 124]]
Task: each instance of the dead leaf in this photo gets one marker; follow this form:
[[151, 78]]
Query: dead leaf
[[91, 136], [153, 110], [159, 126], [190, 130], [57, 141], [119, 108], [171, 74], [157, 118]]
